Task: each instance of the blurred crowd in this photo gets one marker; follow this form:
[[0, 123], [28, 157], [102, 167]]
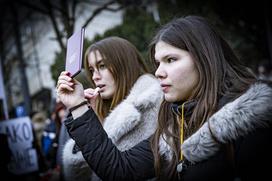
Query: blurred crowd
[[49, 135]]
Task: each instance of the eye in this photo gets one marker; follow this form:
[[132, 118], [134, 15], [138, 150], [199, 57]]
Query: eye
[[102, 66], [91, 69], [170, 60]]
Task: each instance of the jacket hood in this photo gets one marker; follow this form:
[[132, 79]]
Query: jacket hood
[[248, 112]]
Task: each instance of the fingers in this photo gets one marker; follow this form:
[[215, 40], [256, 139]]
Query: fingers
[[96, 91], [88, 92], [65, 82], [63, 87], [91, 93], [65, 73]]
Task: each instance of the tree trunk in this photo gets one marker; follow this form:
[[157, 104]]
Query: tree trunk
[[24, 81]]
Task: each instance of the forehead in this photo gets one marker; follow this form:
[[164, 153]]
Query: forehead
[[94, 57], [163, 50]]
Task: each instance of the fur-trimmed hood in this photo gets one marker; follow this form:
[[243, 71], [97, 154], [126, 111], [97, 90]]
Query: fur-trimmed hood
[[251, 110], [130, 122]]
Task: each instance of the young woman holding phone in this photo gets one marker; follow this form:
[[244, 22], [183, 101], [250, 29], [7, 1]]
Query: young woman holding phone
[[126, 100]]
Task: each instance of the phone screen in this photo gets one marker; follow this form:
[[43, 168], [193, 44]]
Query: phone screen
[[74, 53]]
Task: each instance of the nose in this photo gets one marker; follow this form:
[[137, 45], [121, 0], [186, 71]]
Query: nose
[[160, 72], [96, 75]]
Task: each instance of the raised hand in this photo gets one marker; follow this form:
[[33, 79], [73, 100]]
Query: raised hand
[[69, 91]]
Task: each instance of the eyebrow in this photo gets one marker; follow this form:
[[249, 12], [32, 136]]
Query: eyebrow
[[97, 63], [167, 56]]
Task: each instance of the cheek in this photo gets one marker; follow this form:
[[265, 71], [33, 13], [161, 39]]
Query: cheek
[[179, 76], [112, 83], [184, 82], [190, 84], [112, 89], [194, 77], [109, 77]]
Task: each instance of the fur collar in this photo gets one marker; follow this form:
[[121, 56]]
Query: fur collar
[[145, 93], [237, 118]]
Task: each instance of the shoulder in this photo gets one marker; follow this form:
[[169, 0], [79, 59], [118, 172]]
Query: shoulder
[[145, 83], [252, 110], [254, 105], [239, 118], [259, 90]]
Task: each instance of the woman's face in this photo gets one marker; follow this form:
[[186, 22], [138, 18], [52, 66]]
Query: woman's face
[[102, 77], [177, 72]]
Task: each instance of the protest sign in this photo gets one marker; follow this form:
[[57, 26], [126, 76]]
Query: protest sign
[[20, 139]]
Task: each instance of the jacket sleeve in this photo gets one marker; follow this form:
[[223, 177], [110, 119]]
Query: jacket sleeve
[[103, 156]]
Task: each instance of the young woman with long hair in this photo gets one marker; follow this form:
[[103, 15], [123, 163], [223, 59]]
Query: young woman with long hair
[[126, 100]]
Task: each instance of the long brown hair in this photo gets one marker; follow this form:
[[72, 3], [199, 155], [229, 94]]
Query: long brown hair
[[125, 64], [220, 74]]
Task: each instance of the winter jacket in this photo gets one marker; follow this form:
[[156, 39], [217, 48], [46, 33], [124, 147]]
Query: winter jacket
[[130, 122], [244, 124]]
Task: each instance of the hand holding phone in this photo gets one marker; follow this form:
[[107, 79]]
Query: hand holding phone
[[74, 51]]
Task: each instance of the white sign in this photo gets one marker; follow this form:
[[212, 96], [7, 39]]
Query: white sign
[[20, 138]]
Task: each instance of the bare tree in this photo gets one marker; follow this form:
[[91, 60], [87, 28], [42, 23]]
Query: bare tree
[[62, 14], [11, 16]]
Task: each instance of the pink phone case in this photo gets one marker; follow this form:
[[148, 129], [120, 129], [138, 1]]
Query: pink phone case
[[74, 53]]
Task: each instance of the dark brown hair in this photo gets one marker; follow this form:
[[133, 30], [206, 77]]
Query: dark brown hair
[[125, 64], [220, 74]]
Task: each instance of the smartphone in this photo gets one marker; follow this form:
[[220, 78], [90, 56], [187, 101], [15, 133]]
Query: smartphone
[[74, 52]]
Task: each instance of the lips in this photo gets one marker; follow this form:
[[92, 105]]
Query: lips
[[165, 88], [101, 86]]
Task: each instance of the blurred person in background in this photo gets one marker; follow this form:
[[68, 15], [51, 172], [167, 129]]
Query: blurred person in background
[[38, 121], [50, 141], [264, 71], [62, 136], [39, 124]]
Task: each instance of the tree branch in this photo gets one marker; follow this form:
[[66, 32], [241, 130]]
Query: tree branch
[[97, 11], [32, 6], [54, 23]]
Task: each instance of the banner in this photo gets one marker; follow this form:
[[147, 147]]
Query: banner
[[20, 139]]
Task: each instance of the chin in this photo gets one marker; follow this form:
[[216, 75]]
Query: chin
[[169, 98], [105, 96]]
